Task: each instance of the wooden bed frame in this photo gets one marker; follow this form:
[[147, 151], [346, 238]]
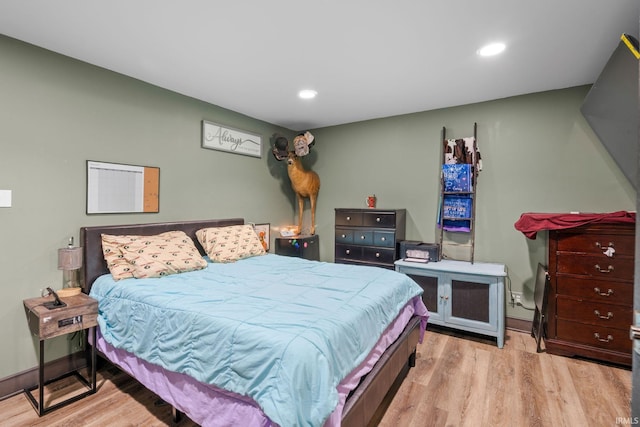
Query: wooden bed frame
[[365, 405]]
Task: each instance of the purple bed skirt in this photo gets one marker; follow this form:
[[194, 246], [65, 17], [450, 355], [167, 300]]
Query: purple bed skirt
[[208, 405]]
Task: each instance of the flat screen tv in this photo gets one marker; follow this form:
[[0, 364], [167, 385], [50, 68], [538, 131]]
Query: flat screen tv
[[611, 107]]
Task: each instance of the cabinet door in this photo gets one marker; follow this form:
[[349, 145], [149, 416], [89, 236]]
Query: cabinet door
[[471, 301], [431, 297]]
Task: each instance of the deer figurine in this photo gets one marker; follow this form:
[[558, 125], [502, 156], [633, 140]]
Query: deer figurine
[[305, 183]]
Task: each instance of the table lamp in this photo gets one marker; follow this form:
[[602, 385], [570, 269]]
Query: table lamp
[[70, 261]]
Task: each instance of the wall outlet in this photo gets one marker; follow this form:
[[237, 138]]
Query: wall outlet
[[517, 298]]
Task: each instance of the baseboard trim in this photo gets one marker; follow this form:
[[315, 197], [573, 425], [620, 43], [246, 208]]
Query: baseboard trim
[[520, 325], [14, 384]]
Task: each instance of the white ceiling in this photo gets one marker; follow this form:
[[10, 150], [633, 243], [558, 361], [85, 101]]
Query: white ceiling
[[366, 58]]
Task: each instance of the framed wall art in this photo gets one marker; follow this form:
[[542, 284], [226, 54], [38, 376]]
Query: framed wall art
[[120, 188], [224, 138], [264, 234]]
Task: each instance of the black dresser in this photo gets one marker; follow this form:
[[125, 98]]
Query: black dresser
[[369, 236]]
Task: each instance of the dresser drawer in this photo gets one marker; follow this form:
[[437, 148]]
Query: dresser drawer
[[594, 336], [344, 235], [595, 313], [365, 255], [363, 237], [385, 239], [596, 266], [624, 245], [360, 236], [596, 290], [379, 219], [353, 218], [351, 252], [378, 255]]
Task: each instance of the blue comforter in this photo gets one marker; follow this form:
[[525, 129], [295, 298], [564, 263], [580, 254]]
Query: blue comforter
[[284, 331]]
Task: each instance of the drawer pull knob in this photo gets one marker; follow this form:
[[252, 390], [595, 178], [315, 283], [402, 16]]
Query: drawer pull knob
[[362, 237], [609, 251], [378, 219], [348, 218], [343, 236], [608, 339], [347, 251], [604, 294], [607, 317], [599, 245], [384, 239], [377, 254], [608, 270]]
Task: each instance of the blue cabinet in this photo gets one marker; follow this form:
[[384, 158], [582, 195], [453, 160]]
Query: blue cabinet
[[462, 295]]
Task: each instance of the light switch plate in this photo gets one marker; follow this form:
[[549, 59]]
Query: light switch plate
[[5, 198]]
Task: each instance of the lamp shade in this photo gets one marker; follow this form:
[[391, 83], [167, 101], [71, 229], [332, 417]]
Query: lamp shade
[[69, 258]]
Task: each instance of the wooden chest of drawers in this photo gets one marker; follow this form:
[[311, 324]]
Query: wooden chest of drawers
[[590, 300], [369, 236]]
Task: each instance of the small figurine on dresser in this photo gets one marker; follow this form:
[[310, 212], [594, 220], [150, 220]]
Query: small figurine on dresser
[[305, 183]]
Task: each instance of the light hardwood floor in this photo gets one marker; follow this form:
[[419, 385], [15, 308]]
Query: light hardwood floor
[[459, 380], [470, 382]]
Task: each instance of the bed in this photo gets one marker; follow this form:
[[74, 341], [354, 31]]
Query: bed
[[361, 394]]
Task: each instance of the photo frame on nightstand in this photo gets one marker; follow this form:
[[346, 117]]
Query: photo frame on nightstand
[[264, 234]]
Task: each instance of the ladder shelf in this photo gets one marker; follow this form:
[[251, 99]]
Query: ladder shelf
[[458, 182]]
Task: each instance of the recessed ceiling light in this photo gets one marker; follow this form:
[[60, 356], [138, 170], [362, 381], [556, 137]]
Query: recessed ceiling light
[[307, 94], [491, 49]]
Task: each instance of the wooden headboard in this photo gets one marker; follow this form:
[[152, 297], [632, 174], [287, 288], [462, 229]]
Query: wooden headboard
[[94, 263]]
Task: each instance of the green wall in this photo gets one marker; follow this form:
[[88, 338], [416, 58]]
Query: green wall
[[538, 154], [57, 113]]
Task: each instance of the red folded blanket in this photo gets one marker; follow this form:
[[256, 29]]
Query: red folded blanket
[[530, 223]]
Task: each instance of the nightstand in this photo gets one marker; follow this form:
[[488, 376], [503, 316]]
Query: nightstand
[[306, 247], [80, 313]]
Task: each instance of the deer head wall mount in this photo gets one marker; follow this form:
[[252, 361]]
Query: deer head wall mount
[[305, 183]]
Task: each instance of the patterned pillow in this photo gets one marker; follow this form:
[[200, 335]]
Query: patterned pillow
[[228, 244], [151, 256]]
